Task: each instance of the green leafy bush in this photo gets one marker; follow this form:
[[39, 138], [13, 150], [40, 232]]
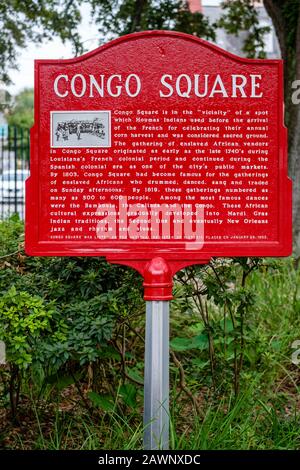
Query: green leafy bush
[[24, 319], [25, 322], [62, 313]]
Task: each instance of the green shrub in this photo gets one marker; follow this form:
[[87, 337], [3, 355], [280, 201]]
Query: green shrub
[[62, 312], [24, 318]]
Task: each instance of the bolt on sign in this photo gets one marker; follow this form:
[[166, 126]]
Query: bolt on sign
[[158, 145]]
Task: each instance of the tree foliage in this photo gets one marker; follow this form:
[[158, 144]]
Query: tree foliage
[[35, 20], [119, 17], [21, 112], [241, 16]]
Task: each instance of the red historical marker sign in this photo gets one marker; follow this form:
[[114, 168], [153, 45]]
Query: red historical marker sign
[[158, 144]]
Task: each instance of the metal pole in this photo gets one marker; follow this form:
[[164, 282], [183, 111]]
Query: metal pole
[[156, 382]]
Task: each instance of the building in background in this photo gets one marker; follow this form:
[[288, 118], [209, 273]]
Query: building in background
[[212, 9], [195, 6], [3, 126]]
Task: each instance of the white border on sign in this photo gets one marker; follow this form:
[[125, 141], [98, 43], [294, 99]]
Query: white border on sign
[[81, 112]]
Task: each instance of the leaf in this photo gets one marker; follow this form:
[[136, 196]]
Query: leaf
[[108, 352], [135, 375], [200, 342], [185, 344], [276, 344], [105, 402], [228, 326], [128, 393], [200, 363], [180, 344], [61, 381]]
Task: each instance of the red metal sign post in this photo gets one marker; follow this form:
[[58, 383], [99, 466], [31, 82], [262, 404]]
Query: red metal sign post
[[158, 151]]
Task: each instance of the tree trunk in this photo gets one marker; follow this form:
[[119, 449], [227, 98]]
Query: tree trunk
[[294, 152], [140, 5]]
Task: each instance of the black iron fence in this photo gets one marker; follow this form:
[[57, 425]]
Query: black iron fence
[[14, 169]]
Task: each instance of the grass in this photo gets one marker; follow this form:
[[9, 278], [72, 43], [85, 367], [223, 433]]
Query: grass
[[243, 424]]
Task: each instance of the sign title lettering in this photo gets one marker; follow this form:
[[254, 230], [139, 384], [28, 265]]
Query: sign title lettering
[[183, 85]]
